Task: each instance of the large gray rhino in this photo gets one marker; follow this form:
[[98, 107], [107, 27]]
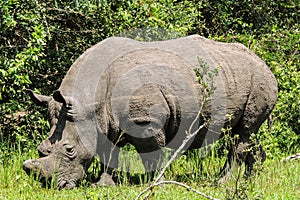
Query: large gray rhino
[[146, 93]]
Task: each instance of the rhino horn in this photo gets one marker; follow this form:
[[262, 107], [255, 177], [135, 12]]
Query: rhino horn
[[45, 148], [38, 98]]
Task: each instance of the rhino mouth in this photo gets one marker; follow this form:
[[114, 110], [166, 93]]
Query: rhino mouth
[[35, 169], [31, 167]]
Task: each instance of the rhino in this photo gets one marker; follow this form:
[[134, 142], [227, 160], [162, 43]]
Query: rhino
[[122, 91]]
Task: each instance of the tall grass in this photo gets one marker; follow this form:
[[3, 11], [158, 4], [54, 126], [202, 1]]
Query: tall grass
[[276, 180]]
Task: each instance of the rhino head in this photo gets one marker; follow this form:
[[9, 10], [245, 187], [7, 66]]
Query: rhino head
[[63, 154]]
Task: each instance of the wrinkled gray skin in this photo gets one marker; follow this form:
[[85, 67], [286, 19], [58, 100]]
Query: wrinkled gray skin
[[87, 117]]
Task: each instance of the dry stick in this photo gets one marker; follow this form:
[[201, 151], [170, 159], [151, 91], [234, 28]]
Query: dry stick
[[185, 186], [189, 135], [157, 182], [185, 141], [291, 158]]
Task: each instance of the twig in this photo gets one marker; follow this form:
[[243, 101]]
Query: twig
[[291, 158], [47, 25], [185, 141], [79, 31], [188, 137], [175, 183], [13, 46], [195, 120]]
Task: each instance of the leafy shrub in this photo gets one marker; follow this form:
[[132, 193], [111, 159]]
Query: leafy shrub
[[40, 40], [247, 16]]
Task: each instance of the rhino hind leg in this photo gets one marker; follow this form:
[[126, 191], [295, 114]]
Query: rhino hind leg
[[247, 150]]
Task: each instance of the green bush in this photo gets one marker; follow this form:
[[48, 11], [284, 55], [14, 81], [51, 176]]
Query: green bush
[[40, 40], [247, 16]]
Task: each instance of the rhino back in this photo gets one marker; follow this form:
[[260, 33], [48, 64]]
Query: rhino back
[[249, 81], [109, 73]]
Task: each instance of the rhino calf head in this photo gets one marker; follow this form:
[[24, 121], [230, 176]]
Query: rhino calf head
[[62, 155]]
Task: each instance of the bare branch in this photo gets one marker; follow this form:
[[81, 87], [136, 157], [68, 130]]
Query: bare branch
[[189, 136], [195, 120], [12, 46], [76, 31], [175, 183], [197, 117], [185, 141], [291, 158]]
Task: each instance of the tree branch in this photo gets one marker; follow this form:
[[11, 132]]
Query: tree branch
[[188, 137], [175, 183]]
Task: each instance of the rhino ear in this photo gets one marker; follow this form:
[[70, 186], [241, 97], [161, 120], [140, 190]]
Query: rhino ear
[[67, 101], [38, 98], [57, 96]]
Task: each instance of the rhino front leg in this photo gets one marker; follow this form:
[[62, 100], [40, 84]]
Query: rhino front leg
[[109, 154]]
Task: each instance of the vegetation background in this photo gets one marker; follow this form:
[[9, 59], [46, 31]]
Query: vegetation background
[[39, 40]]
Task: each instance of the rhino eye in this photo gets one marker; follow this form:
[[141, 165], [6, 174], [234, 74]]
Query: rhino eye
[[70, 150]]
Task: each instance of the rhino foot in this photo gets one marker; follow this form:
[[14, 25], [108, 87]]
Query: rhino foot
[[67, 185], [105, 180], [226, 178]]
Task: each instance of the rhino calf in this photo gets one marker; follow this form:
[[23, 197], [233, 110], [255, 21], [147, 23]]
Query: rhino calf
[[146, 93]]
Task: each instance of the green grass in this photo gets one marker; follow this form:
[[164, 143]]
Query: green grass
[[276, 180]]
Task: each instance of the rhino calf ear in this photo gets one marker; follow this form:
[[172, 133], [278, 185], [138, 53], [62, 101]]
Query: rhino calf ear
[[38, 98]]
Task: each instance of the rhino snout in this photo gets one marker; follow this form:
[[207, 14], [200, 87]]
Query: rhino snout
[[27, 165], [40, 167], [30, 166]]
